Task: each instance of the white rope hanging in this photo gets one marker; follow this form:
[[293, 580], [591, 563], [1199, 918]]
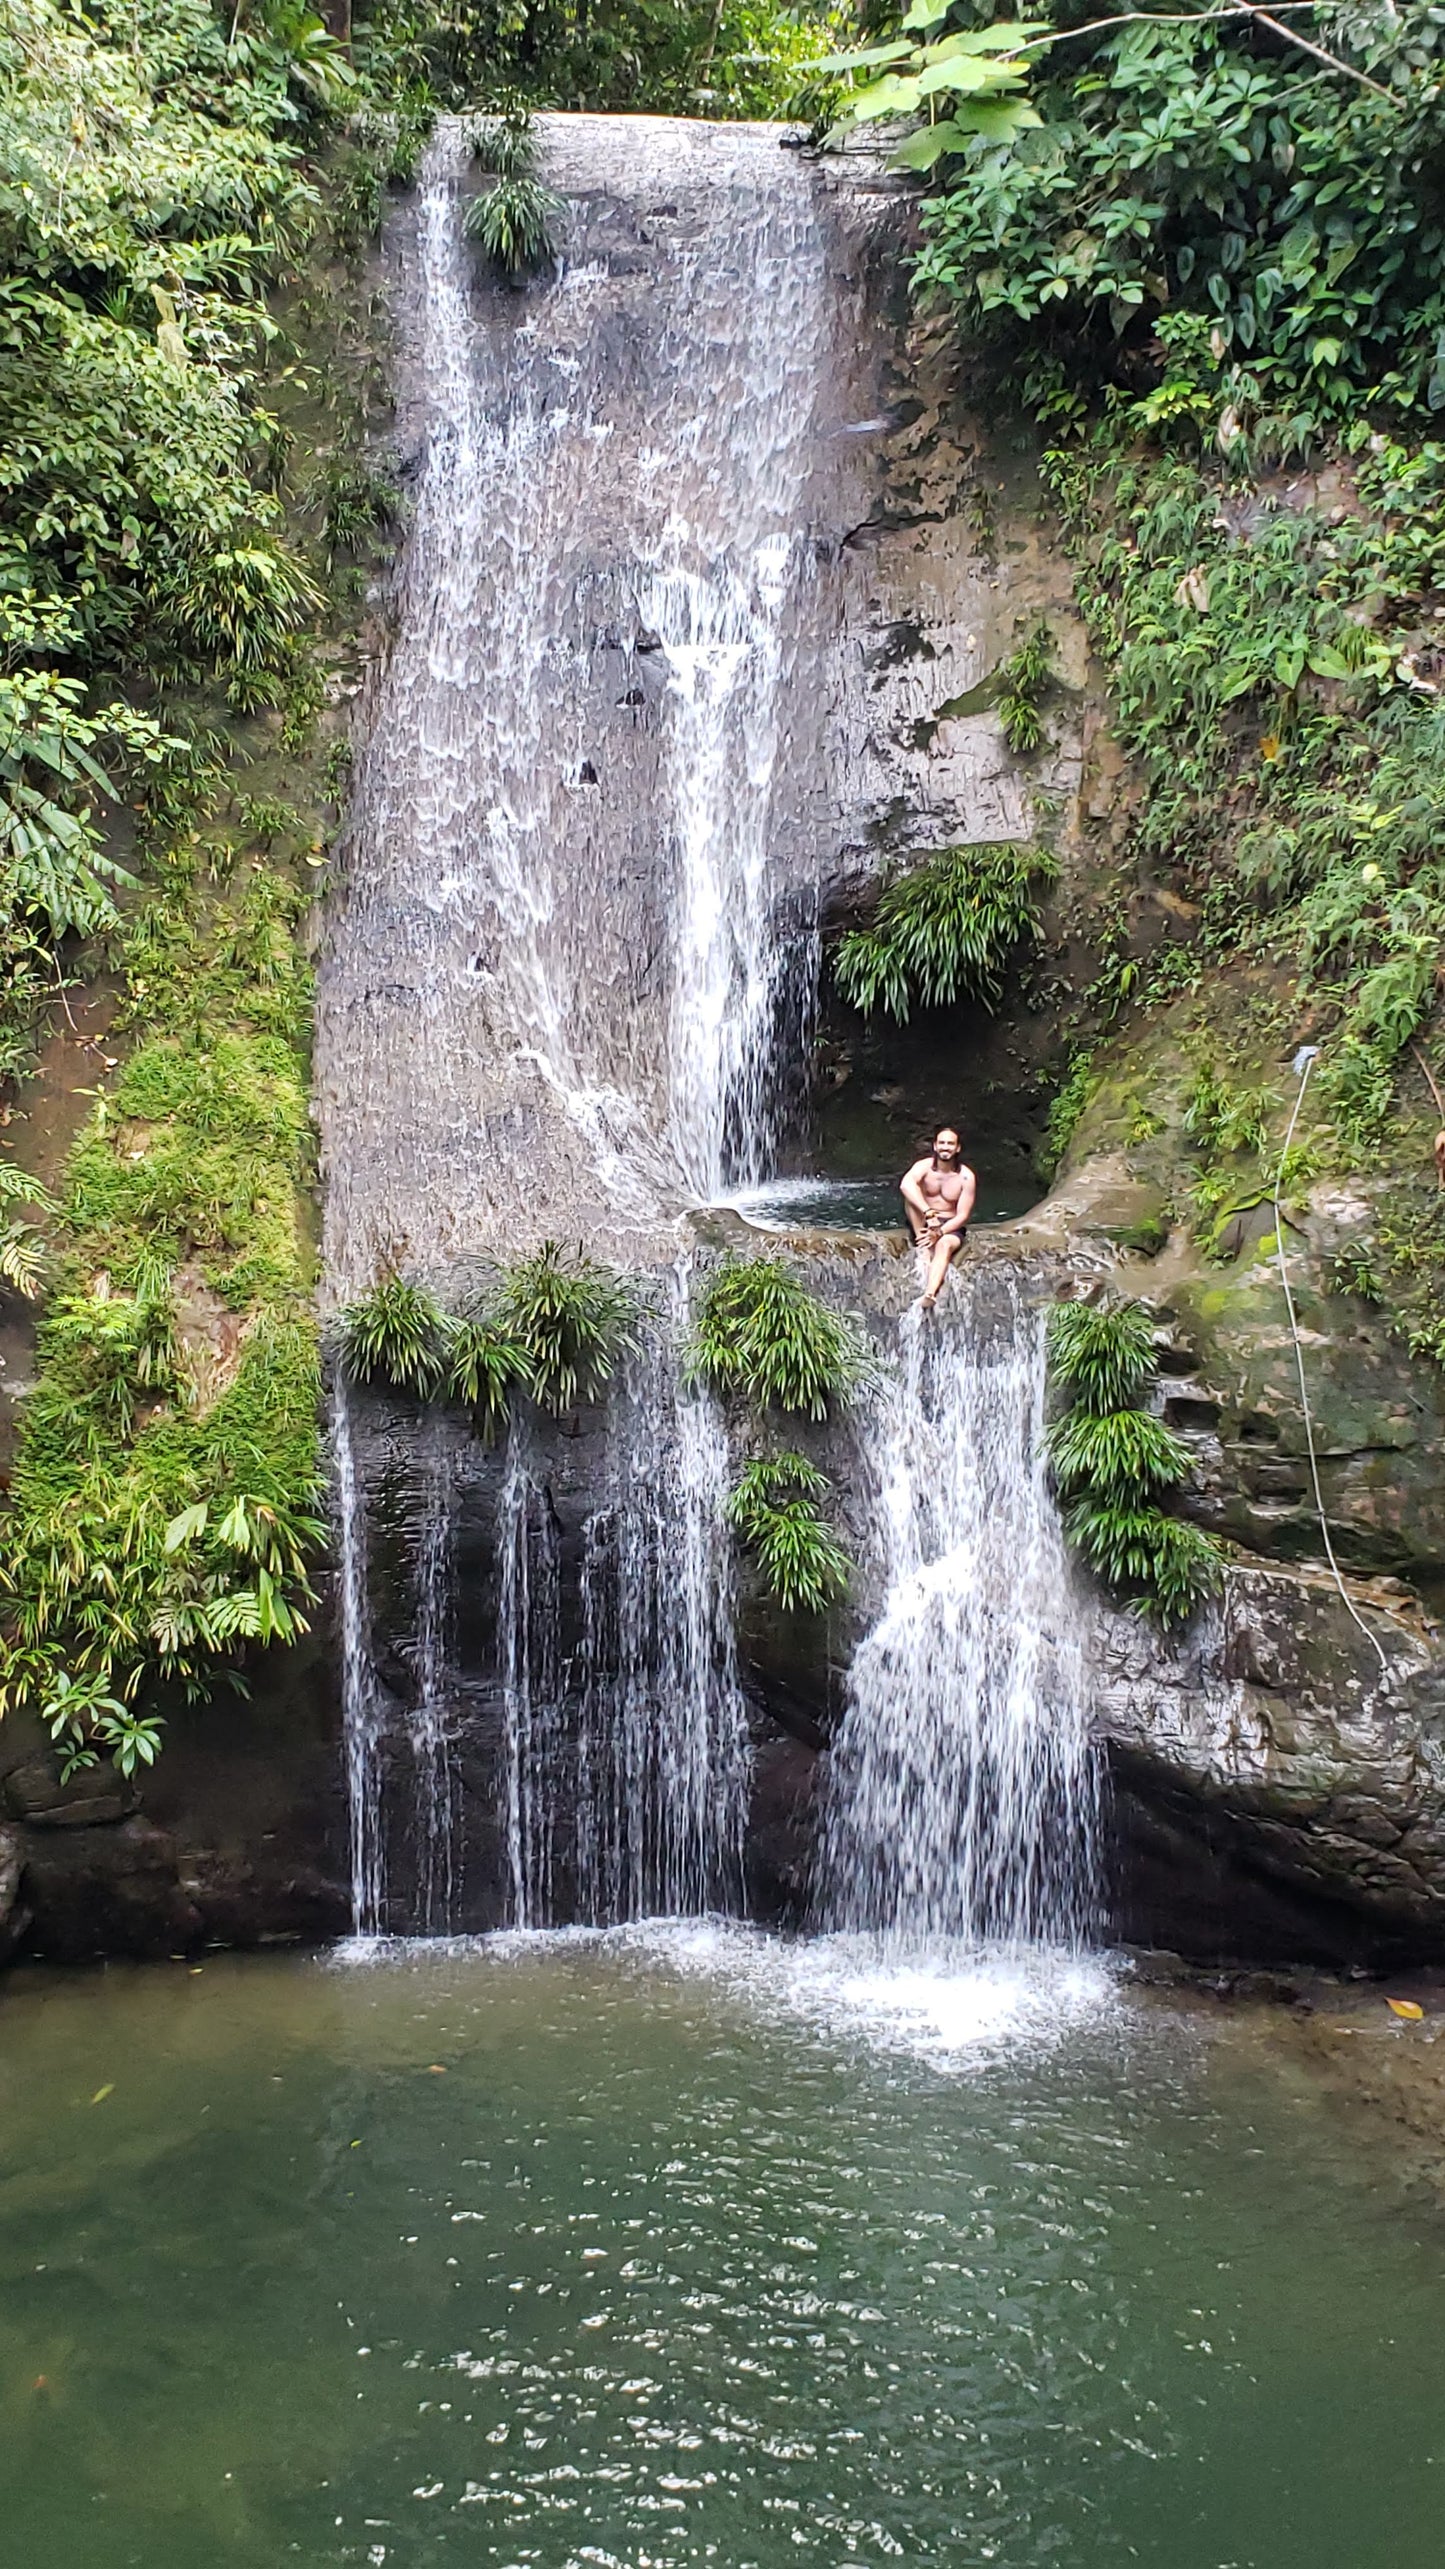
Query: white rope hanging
[[1304, 1062]]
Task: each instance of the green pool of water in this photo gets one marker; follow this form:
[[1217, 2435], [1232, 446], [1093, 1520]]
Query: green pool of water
[[862, 1204], [678, 2248]]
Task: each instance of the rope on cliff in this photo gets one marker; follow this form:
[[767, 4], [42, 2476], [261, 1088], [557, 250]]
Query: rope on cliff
[[1304, 1062]]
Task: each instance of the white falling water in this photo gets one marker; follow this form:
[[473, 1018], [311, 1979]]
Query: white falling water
[[581, 869], [361, 1701], [432, 1728], [626, 1755], [721, 634], [964, 1790], [574, 958]]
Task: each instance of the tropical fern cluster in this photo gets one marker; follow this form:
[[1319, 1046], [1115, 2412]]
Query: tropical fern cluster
[[1020, 684], [553, 1327], [775, 1512], [1115, 1462], [760, 1336], [759, 1331], [945, 928], [515, 217]]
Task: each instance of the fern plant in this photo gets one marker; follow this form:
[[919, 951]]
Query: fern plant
[[1116, 1456], [1113, 1460], [506, 145], [774, 1509], [571, 1320], [483, 1367], [395, 1334], [758, 1330], [514, 221], [1020, 681], [1104, 1352], [22, 1250], [947, 927], [1172, 1564]]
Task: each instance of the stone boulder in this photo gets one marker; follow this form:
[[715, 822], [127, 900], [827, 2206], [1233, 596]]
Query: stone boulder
[[1279, 1785]]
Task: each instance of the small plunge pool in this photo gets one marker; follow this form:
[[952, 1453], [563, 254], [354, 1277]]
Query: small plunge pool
[[685, 2246]]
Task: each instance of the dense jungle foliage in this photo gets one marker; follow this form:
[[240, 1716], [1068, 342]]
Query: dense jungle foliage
[[1216, 266]]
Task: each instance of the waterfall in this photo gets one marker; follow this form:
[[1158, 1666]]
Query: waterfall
[[963, 1791], [363, 1729], [580, 878], [626, 1762], [571, 969], [432, 1731]]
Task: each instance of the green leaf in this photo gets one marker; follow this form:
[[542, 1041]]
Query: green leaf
[[925, 149], [887, 97], [863, 61], [185, 1527], [966, 74]]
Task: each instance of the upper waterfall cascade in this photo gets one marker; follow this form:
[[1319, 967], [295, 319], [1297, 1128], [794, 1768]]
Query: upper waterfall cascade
[[569, 992], [583, 873]]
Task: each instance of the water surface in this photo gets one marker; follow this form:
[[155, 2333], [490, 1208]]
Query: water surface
[[677, 2247]]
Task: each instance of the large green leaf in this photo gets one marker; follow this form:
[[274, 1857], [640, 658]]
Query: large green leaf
[[867, 60]]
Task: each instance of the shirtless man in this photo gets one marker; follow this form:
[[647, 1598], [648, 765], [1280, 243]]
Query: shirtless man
[[938, 1196]]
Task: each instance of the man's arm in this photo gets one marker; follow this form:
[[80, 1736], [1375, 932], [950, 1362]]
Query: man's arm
[[911, 1190], [958, 1218]]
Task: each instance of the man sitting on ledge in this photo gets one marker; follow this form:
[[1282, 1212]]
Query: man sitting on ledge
[[938, 1197]]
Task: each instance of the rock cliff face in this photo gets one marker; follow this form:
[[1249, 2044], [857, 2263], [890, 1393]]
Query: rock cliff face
[[1278, 1774], [239, 1837]]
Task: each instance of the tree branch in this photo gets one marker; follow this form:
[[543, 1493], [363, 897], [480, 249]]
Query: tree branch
[[1207, 17]]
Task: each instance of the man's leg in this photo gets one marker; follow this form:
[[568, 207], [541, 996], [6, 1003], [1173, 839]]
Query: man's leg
[[942, 1258]]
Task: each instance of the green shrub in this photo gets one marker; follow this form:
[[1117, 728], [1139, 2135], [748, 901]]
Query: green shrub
[[484, 1365], [515, 220], [759, 1331], [1021, 682], [1140, 1550], [1112, 1460], [1104, 1352], [1117, 1455], [506, 145], [572, 1319], [395, 1334], [1067, 1109], [948, 926], [774, 1508], [552, 1326]]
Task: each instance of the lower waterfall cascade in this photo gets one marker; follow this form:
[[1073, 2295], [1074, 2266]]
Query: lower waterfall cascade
[[963, 1792], [570, 986]]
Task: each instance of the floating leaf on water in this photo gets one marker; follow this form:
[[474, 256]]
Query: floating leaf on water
[[102, 2093], [1406, 2007]]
